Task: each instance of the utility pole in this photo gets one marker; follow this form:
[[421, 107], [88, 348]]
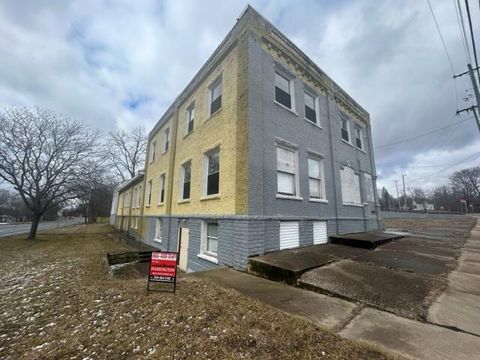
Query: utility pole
[[475, 90], [404, 192], [398, 195]]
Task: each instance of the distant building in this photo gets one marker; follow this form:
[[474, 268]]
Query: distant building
[[423, 207], [7, 219], [261, 151]]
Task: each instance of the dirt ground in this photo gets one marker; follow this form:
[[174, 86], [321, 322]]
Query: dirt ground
[[57, 301]]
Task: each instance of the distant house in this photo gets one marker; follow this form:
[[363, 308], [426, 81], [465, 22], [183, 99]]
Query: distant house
[[262, 151], [423, 207], [6, 219]]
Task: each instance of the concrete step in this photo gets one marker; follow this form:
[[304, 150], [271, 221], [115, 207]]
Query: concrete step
[[366, 240]]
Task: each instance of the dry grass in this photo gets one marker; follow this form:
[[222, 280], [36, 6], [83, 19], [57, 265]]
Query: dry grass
[[58, 302]]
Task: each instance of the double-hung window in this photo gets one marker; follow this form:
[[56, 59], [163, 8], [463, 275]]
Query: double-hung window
[[158, 230], [359, 138], [186, 177], [283, 91], [286, 172], [161, 189], [149, 193], [310, 108], [345, 130], [166, 139], [212, 176], [316, 178], [189, 119], [210, 238], [153, 147], [215, 96]]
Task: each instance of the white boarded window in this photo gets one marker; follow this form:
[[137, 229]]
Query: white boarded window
[[289, 235], [350, 186], [369, 194], [316, 177], [320, 232], [286, 172], [158, 230]]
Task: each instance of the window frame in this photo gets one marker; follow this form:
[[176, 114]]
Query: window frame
[[296, 180], [166, 140], [153, 151], [207, 155], [204, 252], [359, 132], [189, 119], [322, 187], [149, 193], [316, 104], [182, 185], [291, 88], [157, 236], [211, 88], [161, 188], [357, 175], [347, 122]]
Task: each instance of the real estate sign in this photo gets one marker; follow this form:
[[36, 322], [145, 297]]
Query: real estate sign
[[163, 268]]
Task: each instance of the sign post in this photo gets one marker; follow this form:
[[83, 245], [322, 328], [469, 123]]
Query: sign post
[[163, 269]]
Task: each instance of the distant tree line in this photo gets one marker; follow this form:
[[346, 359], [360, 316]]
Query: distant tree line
[[461, 193], [50, 163]]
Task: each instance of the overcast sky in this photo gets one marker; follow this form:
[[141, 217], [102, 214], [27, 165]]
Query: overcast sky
[[121, 63]]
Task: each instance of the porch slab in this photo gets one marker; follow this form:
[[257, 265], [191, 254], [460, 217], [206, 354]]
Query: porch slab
[[289, 265], [366, 240]]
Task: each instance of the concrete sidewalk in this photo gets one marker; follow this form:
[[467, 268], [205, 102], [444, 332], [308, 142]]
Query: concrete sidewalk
[[453, 331]]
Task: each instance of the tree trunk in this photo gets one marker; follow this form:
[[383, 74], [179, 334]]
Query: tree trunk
[[34, 227]]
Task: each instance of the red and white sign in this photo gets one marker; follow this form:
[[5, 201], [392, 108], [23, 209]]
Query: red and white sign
[[163, 267]]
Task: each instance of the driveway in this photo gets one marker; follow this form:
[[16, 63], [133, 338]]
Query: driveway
[[24, 228]]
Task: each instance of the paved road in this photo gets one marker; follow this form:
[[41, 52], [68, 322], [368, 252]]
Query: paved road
[[15, 229]]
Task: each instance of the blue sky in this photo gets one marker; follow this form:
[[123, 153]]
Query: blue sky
[[121, 63]]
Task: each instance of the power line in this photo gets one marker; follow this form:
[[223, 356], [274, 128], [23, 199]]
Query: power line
[[421, 135]]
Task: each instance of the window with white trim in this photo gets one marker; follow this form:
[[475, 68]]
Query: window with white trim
[[311, 108], [161, 189], [149, 193], [135, 198], [186, 179], [212, 172], [215, 96], [190, 118], [284, 90], [287, 172], [166, 139], [316, 178], [210, 238], [345, 129], [359, 138], [158, 230], [350, 182], [153, 149]]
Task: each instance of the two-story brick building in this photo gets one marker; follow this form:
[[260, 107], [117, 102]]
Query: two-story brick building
[[261, 151]]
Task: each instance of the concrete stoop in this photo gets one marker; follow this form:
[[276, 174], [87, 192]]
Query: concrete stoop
[[367, 240]]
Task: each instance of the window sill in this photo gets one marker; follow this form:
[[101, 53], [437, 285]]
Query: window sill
[[183, 201], [188, 134], [160, 204], [360, 149], [158, 240], [147, 206], [210, 197], [289, 197], [164, 152], [313, 124], [212, 115], [348, 143], [210, 258], [351, 204], [325, 201], [285, 108]]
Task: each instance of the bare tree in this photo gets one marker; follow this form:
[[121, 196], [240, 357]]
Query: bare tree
[[42, 154], [466, 183], [126, 151]]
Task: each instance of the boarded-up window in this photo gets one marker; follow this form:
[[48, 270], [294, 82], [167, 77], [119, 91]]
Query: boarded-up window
[[350, 186], [289, 235], [369, 194]]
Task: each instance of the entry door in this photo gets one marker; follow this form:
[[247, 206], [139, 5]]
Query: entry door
[[320, 232], [183, 248], [289, 236]]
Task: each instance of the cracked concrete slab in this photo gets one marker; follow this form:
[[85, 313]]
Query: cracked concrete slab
[[411, 339], [457, 309]]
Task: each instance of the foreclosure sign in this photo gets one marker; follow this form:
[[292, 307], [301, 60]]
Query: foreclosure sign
[[163, 268]]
